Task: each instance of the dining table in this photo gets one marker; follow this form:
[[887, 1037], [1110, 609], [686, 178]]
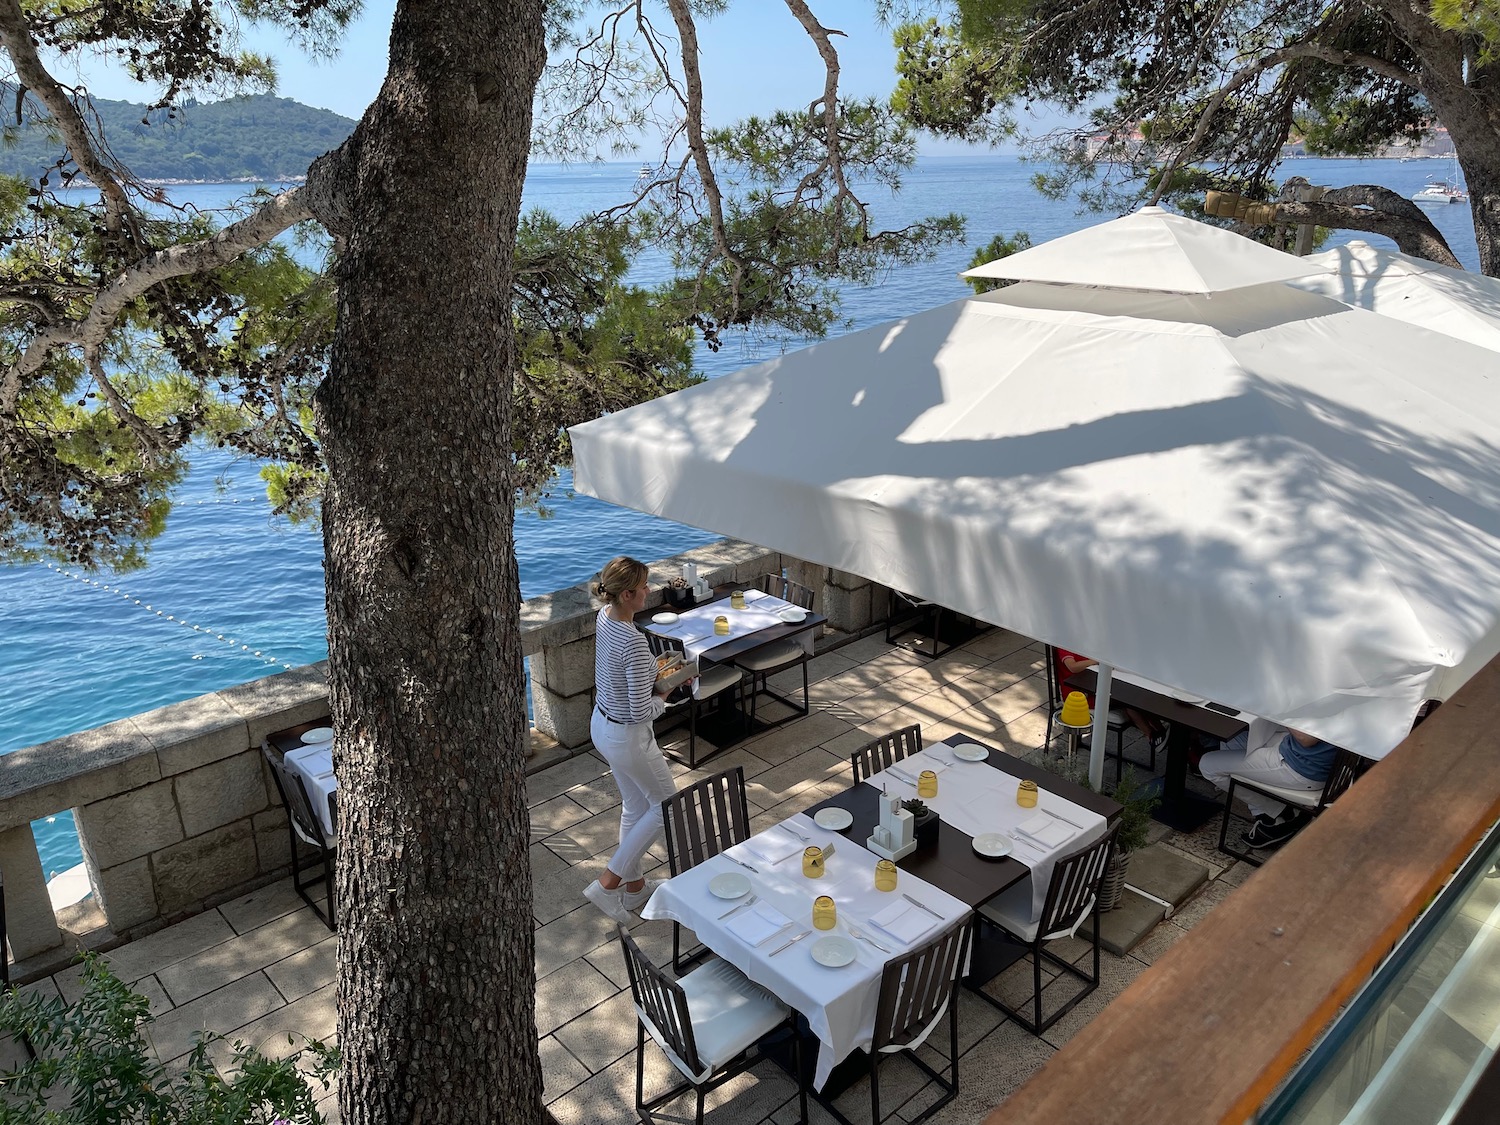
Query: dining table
[[764, 619], [1178, 808], [977, 791], [308, 755]]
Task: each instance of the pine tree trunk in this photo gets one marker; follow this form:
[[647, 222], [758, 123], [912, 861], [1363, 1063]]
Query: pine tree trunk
[[436, 981]]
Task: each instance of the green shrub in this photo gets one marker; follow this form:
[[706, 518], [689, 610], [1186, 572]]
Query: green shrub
[[94, 1066]]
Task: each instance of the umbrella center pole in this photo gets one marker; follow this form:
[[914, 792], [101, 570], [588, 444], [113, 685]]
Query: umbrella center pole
[[1106, 674]]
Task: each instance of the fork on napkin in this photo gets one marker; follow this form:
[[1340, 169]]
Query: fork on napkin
[[757, 925], [1046, 830], [903, 921], [774, 845]]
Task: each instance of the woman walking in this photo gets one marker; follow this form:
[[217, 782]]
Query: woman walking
[[626, 703]]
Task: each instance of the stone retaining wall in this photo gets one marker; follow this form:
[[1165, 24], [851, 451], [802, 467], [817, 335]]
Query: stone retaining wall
[[177, 811]]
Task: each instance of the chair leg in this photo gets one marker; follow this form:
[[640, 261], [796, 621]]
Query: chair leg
[[333, 920], [874, 1086], [797, 1067], [1036, 981], [692, 733], [699, 1117], [640, 1072]]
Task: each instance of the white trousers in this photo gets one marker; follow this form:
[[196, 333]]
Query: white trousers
[[640, 770], [1264, 764]]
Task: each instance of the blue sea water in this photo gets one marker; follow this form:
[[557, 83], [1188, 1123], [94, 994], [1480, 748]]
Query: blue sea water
[[232, 594]]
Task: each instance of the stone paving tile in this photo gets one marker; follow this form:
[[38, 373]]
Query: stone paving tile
[[1115, 975], [560, 1070], [306, 971], [794, 776], [215, 967], [602, 1034], [598, 795], [562, 996], [261, 906], [555, 815], [609, 1096], [226, 1010], [168, 946], [286, 1030], [542, 787]]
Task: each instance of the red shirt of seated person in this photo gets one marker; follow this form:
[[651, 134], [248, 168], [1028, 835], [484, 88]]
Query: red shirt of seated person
[[1067, 664]]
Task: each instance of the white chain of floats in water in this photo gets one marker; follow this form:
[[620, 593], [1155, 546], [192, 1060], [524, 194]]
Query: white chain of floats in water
[[184, 622]]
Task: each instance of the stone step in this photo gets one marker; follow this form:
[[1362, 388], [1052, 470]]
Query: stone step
[[1122, 928], [1165, 873]]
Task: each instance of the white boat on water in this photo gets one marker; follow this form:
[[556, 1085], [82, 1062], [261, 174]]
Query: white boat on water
[[1443, 191], [646, 172]]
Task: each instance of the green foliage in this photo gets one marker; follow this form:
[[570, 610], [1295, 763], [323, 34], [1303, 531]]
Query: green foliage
[[94, 1066], [1136, 802], [254, 138], [949, 86], [998, 247], [1479, 20]]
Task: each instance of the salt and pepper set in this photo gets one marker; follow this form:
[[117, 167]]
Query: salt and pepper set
[[895, 835], [698, 585]]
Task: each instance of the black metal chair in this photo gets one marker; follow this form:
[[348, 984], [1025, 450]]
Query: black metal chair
[[917, 989], [303, 828], [886, 750], [5, 963], [700, 822], [1348, 767], [769, 659], [1118, 720], [907, 613], [713, 681], [705, 1022], [1072, 896]]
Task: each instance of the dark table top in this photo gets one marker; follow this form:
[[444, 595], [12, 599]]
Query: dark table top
[[285, 741], [737, 646], [1193, 715], [951, 863]]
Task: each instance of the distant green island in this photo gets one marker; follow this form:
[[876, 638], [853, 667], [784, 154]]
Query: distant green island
[[256, 138]]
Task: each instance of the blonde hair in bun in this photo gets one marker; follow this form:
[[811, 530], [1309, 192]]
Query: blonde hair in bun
[[619, 575]]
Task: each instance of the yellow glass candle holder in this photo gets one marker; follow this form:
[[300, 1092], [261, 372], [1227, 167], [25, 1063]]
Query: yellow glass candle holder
[[1026, 794], [812, 862], [721, 626], [927, 784], [1075, 710], [885, 876], [737, 599], [825, 913]]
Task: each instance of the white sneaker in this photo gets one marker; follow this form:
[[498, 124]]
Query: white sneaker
[[634, 900], [611, 902]]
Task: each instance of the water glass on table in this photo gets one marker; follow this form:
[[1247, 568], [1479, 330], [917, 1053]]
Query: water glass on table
[[825, 913]]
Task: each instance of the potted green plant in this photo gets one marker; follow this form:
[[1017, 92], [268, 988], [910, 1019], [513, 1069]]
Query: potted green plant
[[1136, 802]]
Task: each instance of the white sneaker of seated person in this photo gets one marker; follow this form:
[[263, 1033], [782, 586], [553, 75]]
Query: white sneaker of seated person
[[612, 902]]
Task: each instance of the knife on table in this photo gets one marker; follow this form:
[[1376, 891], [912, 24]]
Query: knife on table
[[923, 906], [1065, 820], [793, 941]]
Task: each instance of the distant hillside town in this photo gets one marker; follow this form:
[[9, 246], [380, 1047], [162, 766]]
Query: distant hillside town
[[1436, 143]]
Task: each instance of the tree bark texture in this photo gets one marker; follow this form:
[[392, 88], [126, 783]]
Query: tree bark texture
[[436, 979]]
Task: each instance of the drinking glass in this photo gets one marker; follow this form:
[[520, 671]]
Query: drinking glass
[[885, 876], [812, 862], [721, 625], [1026, 794], [927, 784], [737, 599], [825, 914]]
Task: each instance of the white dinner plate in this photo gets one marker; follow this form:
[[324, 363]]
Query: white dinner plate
[[793, 615], [664, 619], [731, 884], [995, 845], [833, 951], [833, 819], [317, 734], [969, 752]]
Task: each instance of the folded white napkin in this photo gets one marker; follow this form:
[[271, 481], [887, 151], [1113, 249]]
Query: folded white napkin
[[1047, 830], [903, 921], [757, 924], [774, 844]]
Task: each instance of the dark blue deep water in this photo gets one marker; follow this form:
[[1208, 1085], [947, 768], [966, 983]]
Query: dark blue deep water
[[232, 594]]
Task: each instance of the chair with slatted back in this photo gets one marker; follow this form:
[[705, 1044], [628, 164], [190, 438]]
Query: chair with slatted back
[[700, 822], [888, 749], [917, 990], [764, 662], [5, 963], [706, 1023], [303, 828], [714, 681], [1072, 896], [1347, 768], [907, 613]]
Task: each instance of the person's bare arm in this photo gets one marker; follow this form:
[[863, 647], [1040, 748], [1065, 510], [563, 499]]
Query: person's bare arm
[[1076, 664]]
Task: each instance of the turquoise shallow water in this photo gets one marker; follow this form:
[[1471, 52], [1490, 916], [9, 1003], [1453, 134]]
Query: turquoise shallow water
[[80, 650]]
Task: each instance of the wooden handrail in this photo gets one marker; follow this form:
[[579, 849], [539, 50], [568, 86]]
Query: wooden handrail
[[1209, 1032]]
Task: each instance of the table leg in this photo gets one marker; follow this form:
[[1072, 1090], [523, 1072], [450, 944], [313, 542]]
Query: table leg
[[1180, 809]]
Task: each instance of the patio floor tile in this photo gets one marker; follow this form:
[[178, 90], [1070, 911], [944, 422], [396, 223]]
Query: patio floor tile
[[226, 1010], [216, 966], [167, 947]]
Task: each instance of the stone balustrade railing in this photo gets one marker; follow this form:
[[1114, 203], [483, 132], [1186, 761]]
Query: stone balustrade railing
[[176, 810]]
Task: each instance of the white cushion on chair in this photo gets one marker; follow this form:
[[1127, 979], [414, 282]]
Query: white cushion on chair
[[773, 655], [717, 678], [730, 1012], [1303, 798], [1011, 910]]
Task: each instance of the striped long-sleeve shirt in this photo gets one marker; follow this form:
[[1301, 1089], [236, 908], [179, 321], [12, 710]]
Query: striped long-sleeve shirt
[[624, 672]]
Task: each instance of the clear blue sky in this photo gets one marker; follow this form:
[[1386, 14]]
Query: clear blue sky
[[756, 59]]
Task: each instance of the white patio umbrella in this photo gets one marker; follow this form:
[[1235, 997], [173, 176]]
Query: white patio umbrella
[[1258, 494], [1454, 302]]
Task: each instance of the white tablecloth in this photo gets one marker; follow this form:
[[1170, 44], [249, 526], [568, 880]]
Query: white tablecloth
[[695, 627], [974, 797], [314, 765], [839, 1003], [1173, 693]]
